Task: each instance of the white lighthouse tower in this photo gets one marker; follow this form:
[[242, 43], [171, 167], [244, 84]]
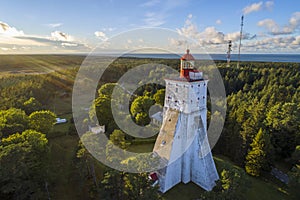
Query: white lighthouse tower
[[182, 141]]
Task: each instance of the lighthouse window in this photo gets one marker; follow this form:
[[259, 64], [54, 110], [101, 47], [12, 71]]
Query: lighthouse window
[[204, 84], [163, 142], [176, 90], [199, 85]]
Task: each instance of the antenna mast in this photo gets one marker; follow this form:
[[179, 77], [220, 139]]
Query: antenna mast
[[228, 53], [241, 35]]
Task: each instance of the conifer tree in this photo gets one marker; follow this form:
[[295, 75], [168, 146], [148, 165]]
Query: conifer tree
[[256, 158]]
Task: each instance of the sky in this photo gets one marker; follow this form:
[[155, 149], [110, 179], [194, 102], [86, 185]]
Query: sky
[[78, 26]]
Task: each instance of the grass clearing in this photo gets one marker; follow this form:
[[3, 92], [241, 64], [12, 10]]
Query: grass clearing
[[141, 148]]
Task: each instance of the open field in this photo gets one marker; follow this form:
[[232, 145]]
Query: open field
[[37, 64]]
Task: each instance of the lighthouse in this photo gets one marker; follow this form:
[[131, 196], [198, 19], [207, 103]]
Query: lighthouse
[[182, 142]]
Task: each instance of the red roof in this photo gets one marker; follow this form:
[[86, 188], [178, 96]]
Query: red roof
[[187, 56], [153, 176]]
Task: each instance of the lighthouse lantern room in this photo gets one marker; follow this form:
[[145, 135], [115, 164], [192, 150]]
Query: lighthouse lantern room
[[187, 68]]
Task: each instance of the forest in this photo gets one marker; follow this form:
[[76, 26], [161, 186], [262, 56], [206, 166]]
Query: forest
[[43, 160]]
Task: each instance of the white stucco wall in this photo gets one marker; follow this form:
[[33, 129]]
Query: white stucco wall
[[189, 158]]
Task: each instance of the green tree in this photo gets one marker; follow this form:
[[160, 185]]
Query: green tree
[[87, 161], [42, 121], [228, 187], [296, 155], [112, 185], [118, 138], [31, 105], [116, 146], [23, 165], [12, 121], [159, 97], [104, 114], [142, 118], [140, 108], [138, 186], [107, 89], [127, 186], [256, 160], [283, 121]]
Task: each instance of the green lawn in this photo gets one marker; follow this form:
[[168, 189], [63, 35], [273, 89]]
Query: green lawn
[[141, 148]]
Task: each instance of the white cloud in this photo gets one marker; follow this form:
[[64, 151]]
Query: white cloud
[[296, 41], [210, 35], [294, 21], [189, 29], [178, 42], [61, 36], [235, 36], [4, 49], [69, 44], [129, 41], [218, 21], [275, 44], [210, 38], [101, 35], [258, 6], [253, 8], [214, 40], [269, 24], [274, 29], [8, 31], [14, 40], [55, 25]]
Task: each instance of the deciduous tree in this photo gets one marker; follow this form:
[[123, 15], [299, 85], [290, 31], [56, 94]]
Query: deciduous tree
[[42, 121]]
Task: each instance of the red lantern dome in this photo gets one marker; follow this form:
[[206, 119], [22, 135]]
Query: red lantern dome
[[187, 56]]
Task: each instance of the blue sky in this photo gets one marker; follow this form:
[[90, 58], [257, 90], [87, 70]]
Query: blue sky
[[37, 26]]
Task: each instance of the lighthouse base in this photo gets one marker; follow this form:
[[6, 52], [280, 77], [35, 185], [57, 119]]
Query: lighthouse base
[[183, 145]]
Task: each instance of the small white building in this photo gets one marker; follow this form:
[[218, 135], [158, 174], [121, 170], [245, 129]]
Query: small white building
[[157, 118], [97, 129]]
